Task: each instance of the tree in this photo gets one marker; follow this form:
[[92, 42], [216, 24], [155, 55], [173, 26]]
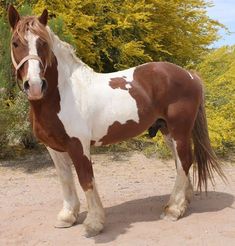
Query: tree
[[113, 35]]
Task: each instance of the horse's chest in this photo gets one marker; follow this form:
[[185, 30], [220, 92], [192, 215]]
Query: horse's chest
[[51, 132]]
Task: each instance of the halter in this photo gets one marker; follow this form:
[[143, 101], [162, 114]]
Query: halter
[[21, 63]]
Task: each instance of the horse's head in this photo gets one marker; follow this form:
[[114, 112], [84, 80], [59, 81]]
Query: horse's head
[[30, 51]]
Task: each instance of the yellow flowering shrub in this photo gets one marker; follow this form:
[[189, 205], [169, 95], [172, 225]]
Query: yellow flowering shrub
[[218, 72]]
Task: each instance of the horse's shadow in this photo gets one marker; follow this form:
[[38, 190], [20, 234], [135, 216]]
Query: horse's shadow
[[119, 218]]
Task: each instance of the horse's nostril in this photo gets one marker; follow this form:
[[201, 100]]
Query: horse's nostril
[[26, 85], [44, 84]]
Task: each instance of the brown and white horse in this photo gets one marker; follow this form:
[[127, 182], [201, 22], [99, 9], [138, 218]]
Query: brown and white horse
[[73, 107]]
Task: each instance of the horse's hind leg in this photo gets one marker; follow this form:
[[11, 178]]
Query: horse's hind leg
[[183, 190], [70, 211]]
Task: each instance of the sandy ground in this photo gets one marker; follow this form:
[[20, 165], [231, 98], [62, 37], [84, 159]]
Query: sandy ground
[[133, 189]]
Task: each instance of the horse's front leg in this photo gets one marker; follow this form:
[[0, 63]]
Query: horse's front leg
[[79, 152], [70, 211]]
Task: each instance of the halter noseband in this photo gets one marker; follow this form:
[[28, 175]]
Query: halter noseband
[[21, 63]]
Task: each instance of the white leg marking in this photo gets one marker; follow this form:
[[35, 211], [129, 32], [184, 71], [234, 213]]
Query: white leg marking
[[94, 222], [182, 191], [69, 213]]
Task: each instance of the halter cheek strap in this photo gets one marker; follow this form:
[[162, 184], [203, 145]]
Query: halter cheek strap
[[21, 63]]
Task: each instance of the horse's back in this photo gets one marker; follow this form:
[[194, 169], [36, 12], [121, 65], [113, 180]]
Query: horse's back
[[168, 79]]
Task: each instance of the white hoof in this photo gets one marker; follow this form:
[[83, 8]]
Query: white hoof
[[93, 225], [63, 224], [174, 211], [171, 214], [66, 218]]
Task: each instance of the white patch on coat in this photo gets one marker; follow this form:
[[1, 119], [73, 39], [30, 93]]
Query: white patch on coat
[[182, 178], [191, 76], [110, 105], [88, 104], [33, 75], [128, 86]]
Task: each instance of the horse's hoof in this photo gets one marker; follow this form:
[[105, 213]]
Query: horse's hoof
[[91, 233], [63, 224], [172, 213], [66, 218], [169, 216], [93, 227]]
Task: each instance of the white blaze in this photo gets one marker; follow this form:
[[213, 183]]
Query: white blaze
[[33, 65]]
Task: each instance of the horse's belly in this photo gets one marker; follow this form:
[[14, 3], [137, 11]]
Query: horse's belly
[[113, 128], [121, 126], [119, 132]]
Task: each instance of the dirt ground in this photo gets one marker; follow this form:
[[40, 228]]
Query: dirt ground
[[133, 189]]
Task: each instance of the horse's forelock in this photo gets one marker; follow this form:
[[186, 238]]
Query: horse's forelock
[[32, 24]]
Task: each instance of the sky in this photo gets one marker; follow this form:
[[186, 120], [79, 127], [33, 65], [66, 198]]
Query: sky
[[224, 12]]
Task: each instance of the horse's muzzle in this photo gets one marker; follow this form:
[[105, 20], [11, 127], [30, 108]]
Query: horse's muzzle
[[35, 91]]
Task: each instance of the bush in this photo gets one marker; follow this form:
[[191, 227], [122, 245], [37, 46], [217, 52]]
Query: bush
[[218, 72]]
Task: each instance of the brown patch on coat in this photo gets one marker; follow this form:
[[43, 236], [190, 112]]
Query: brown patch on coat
[[118, 83]]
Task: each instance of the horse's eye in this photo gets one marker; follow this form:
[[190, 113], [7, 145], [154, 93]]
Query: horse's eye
[[15, 44]]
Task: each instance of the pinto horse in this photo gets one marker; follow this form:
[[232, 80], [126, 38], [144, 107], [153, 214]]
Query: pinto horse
[[73, 107]]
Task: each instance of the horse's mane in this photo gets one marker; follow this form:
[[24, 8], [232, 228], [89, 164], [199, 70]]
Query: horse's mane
[[66, 47]]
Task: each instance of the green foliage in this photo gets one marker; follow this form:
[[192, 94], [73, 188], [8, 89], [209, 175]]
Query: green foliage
[[14, 127], [218, 71], [113, 35], [19, 130], [5, 60], [5, 80], [4, 119]]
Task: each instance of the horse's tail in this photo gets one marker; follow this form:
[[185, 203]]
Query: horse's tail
[[204, 156]]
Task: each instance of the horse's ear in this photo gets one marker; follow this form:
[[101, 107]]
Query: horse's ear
[[13, 16], [44, 17]]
